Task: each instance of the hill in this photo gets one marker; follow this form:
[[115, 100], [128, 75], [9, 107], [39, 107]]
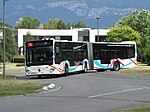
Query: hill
[[73, 10]]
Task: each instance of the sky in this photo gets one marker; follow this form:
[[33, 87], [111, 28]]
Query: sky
[[72, 10]]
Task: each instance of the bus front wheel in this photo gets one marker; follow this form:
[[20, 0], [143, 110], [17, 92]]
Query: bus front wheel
[[116, 66]]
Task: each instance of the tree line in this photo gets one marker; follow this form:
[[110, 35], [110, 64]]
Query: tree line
[[33, 23], [134, 27]]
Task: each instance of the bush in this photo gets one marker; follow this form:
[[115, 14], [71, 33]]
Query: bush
[[18, 59], [123, 33], [147, 55]]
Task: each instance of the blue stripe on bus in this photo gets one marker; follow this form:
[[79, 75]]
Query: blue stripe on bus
[[73, 69], [100, 65], [106, 67]]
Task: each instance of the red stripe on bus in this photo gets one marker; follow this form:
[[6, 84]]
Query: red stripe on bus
[[120, 62], [133, 61], [60, 70]]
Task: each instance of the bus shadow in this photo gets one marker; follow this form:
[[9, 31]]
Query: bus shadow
[[52, 76]]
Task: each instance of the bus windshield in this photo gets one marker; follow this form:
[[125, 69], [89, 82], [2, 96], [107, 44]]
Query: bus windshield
[[39, 56]]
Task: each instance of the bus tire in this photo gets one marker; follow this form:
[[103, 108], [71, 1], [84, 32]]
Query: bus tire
[[66, 70], [116, 66], [39, 76], [85, 68], [100, 70]]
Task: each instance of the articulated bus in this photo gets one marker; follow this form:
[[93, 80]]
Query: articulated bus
[[55, 57], [45, 57], [114, 55]]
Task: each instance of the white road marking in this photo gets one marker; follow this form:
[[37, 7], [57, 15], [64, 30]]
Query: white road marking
[[117, 92]]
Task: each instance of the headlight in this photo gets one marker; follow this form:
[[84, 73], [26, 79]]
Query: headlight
[[27, 71]]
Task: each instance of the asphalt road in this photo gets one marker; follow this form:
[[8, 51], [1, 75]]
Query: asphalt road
[[90, 92]]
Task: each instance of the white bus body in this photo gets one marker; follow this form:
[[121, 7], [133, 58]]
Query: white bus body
[[114, 55], [45, 57]]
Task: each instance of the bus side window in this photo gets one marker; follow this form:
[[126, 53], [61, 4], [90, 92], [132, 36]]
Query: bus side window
[[104, 53], [130, 53], [97, 54], [117, 53], [58, 58], [57, 49], [58, 54]]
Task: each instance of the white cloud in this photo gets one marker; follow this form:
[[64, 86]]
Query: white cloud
[[77, 6], [15, 12], [72, 5], [94, 12], [30, 7], [41, 9], [80, 8]]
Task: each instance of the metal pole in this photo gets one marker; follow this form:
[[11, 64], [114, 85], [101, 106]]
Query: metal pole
[[98, 39], [4, 53]]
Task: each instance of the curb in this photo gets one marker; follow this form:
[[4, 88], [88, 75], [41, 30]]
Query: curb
[[48, 87]]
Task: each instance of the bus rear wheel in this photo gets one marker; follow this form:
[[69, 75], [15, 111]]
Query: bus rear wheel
[[85, 68], [39, 76], [116, 66], [66, 70]]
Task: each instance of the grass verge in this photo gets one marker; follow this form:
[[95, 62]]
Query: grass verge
[[11, 66], [11, 86], [141, 69], [145, 108]]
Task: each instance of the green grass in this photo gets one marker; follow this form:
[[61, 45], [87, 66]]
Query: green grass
[[145, 108], [11, 86], [11, 66], [7, 76], [141, 69]]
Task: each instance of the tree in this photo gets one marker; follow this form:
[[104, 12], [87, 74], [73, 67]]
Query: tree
[[1, 52], [30, 37], [79, 24], [69, 25], [147, 54], [61, 25], [123, 33], [0, 41], [11, 47], [28, 23], [9, 42], [0, 22], [51, 24], [140, 22]]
